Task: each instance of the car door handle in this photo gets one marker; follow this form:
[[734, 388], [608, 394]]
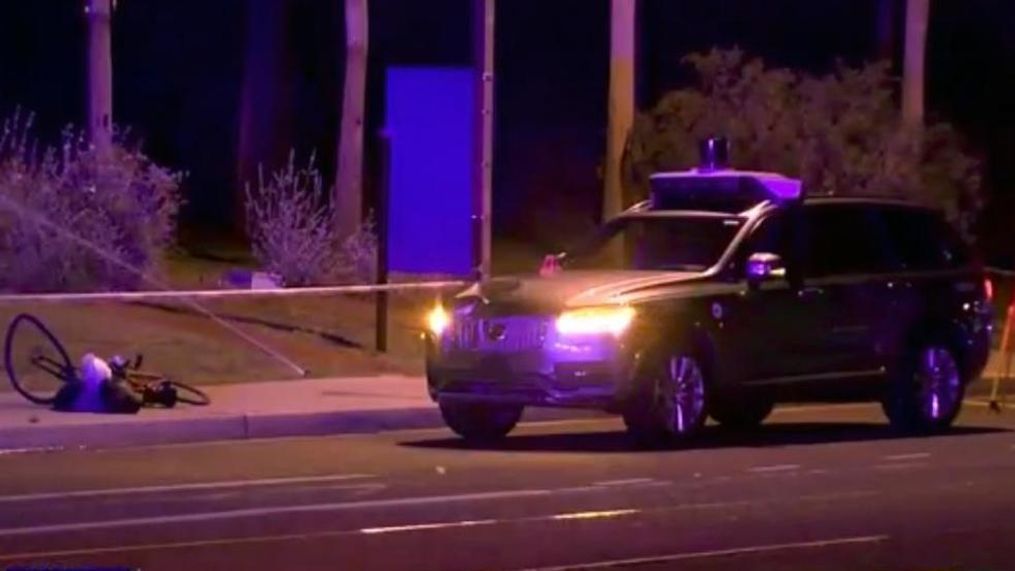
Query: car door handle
[[811, 291]]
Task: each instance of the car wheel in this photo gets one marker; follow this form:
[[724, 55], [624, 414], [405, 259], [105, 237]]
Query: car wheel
[[480, 422], [741, 412], [672, 401], [927, 392]]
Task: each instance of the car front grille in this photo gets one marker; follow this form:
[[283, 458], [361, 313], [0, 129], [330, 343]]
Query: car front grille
[[500, 334]]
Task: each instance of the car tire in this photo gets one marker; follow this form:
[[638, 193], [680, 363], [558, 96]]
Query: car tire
[[671, 401], [480, 422], [741, 412], [926, 390]]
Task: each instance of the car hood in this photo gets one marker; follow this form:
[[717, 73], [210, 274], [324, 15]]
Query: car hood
[[522, 294]]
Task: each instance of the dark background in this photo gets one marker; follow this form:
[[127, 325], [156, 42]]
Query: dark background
[[183, 69]]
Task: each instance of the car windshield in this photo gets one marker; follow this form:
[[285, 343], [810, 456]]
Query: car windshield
[[684, 243]]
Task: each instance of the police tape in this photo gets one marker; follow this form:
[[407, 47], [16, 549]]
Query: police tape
[[154, 295], [229, 293]]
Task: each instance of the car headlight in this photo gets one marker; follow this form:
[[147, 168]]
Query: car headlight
[[596, 320], [437, 320]]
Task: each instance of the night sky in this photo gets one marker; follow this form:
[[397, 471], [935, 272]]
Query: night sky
[[180, 68]]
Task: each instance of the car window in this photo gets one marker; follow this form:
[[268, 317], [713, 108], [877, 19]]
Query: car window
[[843, 240], [923, 240], [657, 243], [773, 235]]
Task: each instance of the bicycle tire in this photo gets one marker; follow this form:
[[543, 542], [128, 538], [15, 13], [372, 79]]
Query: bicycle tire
[[12, 375], [198, 398]]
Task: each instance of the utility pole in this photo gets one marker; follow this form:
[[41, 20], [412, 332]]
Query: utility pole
[[482, 183], [349, 171], [623, 38], [98, 14], [914, 72]]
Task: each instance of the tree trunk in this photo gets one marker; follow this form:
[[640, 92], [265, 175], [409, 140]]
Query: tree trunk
[[914, 72], [623, 32], [265, 135], [100, 73], [349, 169], [484, 13]]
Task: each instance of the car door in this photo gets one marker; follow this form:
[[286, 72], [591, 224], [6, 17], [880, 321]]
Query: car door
[[846, 274], [771, 326]]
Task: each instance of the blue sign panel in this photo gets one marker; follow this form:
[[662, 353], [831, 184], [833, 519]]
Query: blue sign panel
[[430, 121]]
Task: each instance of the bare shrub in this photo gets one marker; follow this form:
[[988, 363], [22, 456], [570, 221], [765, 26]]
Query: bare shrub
[[119, 203], [293, 234], [359, 253]]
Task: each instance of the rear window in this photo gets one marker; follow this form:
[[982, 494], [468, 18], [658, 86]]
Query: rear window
[[923, 240]]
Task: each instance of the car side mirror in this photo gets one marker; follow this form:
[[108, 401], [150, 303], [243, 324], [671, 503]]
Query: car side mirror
[[764, 266]]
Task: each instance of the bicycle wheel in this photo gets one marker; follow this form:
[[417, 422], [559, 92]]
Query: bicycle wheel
[[37, 364], [190, 395]]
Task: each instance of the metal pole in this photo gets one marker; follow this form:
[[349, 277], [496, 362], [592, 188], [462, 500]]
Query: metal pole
[[349, 171], [623, 65], [99, 14], [383, 209], [915, 61], [483, 31]]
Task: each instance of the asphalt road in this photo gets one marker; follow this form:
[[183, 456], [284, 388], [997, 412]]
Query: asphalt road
[[818, 488]]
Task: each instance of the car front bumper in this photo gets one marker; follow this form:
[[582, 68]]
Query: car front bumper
[[582, 372]]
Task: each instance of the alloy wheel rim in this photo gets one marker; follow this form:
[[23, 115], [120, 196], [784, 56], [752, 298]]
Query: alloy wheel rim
[[683, 394], [939, 383]]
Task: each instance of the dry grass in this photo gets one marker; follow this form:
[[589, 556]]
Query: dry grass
[[328, 335], [193, 348]]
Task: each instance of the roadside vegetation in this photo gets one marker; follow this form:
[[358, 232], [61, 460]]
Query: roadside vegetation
[[842, 133], [76, 219]]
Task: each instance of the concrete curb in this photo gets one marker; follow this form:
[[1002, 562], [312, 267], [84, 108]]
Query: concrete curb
[[174, 427], [118, 431]]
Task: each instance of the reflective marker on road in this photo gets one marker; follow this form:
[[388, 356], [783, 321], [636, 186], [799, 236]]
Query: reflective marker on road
[[913, 456], [425, 526], [776, 468], [596, 514]]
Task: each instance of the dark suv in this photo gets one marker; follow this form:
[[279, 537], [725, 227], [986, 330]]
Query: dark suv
[[725, 293]]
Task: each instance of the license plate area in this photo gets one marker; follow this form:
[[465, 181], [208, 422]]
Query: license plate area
[[500, 334]]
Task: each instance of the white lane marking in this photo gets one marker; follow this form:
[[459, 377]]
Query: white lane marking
[[425, 526], [902, 457], [775, 468], [277, 510], [627, 482], [182, 487], [754, 549], [173, 545], [10, 451], [418, 527], [603, 514], [901, 466]]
